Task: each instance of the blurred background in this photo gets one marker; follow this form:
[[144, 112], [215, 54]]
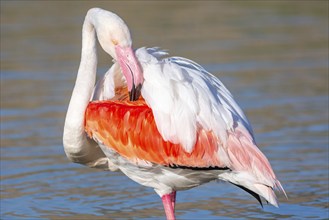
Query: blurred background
[[272, 56]]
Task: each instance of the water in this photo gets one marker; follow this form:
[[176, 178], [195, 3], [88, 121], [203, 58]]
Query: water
[[273, 56]]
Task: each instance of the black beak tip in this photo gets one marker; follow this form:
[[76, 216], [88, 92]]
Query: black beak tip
[[135, 92]]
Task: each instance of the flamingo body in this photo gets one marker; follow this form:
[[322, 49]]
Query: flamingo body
[[148, 137], [163, 121]]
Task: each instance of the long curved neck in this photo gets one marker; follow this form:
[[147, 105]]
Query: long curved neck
[[85, 78], [76, 145]]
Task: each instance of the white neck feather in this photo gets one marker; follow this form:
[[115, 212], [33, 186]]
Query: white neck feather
[[77, 146], [86, 77]]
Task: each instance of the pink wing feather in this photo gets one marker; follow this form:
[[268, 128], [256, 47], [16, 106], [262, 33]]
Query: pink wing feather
[[251, 168]]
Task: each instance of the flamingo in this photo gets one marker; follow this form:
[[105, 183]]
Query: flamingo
[[165, 122]]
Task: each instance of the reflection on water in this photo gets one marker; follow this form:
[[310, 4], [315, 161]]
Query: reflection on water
[[273, 57]]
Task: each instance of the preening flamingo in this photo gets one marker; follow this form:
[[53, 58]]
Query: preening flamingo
[[165, 122]]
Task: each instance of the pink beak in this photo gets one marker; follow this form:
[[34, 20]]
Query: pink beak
[[131, 69]]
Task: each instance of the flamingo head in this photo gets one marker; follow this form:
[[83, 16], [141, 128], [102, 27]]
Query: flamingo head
[[114, 37]]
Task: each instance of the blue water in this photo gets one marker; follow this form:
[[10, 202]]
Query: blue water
[[273, 57]]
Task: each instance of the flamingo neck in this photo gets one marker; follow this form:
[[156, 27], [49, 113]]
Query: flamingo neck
[[76, 145], [86, 76]]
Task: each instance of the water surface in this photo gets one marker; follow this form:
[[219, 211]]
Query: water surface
[[273, 57]]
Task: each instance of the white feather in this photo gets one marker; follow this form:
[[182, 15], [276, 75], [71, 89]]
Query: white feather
[[105, 87], [182, 96]]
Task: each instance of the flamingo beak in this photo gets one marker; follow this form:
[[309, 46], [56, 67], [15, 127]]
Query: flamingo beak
[[131, 69]]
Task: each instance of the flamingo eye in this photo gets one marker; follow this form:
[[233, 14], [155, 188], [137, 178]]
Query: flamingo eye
[[115, 42]]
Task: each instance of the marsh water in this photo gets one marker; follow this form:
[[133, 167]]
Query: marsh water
[[272, 56]]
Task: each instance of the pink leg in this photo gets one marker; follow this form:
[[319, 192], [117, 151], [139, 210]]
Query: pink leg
[[168, 206]]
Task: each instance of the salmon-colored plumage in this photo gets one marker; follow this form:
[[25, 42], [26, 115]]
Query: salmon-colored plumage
[[129, 128]]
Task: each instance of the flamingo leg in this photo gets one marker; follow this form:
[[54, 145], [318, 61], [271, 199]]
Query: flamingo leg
[[168, 203]]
